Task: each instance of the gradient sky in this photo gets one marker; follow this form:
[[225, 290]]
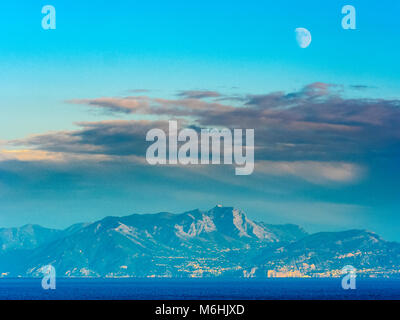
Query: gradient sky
[[67, 144]]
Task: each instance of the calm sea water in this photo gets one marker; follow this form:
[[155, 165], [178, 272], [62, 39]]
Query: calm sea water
[[94, 289]]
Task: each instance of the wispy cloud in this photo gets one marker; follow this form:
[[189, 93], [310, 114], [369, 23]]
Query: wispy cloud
[[313, 171], [199, 94]]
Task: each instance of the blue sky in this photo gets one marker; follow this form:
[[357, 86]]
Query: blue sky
[[236, 48], [105, 49]]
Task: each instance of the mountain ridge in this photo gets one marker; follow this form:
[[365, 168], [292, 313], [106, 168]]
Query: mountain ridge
[[221, 241]]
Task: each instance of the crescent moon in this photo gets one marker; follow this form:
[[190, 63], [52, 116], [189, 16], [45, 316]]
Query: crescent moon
[[303, 37]]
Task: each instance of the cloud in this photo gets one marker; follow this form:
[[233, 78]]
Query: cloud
[[313, 171], [316, 112], [111, 138], [280, 99], [361, 87], [117, 105], [153, 106], [198, 94], [31, 155], [314, 134]]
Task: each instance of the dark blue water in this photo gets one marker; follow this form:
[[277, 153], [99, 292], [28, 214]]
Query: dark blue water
[[95, 289]]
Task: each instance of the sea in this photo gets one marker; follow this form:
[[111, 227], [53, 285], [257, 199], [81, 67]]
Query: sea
[[199, 289]]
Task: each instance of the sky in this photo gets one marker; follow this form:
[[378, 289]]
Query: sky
[[77, 101]]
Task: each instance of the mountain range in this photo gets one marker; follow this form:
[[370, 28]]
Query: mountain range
[[220, 242]]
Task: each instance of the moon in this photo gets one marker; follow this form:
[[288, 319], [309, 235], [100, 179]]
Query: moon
[[303, 37]]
